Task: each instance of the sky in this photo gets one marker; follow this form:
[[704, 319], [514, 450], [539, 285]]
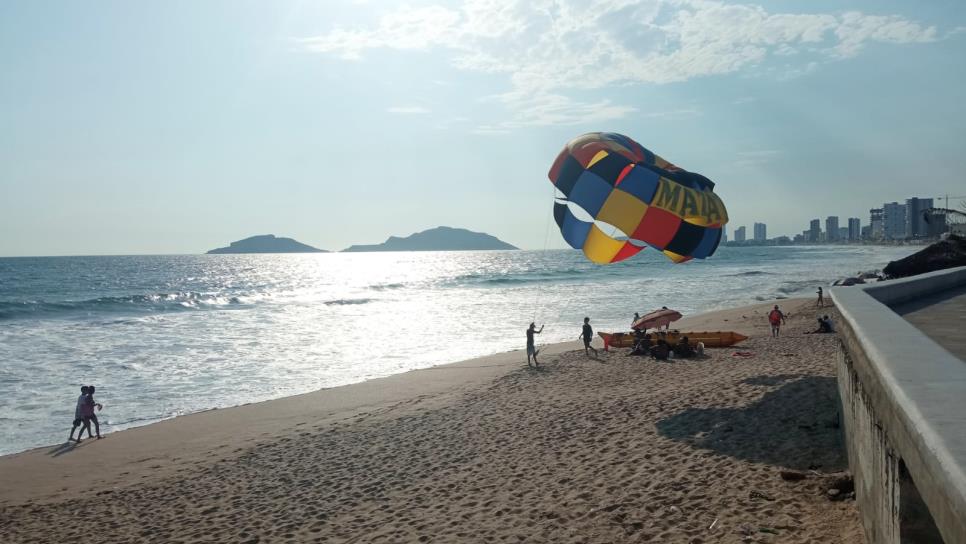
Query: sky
[[180, 126]]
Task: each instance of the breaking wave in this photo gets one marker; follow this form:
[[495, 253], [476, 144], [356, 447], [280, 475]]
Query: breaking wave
[[154, 303]]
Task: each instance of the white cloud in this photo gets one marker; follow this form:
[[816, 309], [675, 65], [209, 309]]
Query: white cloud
[[408, 110], [450, 122], [403, 29], [545, 109], [683, 113], [756, 157], [549, 47]]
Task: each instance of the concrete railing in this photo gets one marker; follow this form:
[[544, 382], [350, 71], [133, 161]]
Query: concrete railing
[[904, 414]]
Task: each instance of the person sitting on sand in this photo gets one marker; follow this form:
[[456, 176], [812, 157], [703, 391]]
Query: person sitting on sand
[[661, 350], [638, 338], [828, 323], [643, 345], [683, 349], [532, 350], [822, 328], [78, 417], [587, 334], [699, 349], [776, 318]]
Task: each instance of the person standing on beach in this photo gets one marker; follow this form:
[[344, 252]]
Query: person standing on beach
[[776, 318], [588, 334], [92, 417], [87, 405], [821, 300], [78, 417], [531, 347]]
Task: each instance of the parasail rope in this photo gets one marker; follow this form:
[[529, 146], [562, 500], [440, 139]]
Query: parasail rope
[[546, 241]]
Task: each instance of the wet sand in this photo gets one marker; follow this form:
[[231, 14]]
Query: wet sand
[[610, 449]]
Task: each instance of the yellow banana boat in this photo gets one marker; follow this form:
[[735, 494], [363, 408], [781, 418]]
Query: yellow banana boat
[[716, 339]]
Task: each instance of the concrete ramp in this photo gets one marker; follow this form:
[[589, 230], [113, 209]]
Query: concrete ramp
[[902, 382]]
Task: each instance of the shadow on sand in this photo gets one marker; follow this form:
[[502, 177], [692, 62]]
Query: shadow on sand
[[794, 426], [66, 447]]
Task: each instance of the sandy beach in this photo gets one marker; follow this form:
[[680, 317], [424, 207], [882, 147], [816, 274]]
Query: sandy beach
[[610, 449]]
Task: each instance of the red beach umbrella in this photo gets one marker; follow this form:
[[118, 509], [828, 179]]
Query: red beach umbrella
[[656, 319]]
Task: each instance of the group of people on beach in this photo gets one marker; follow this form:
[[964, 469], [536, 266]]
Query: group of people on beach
[[661, 350], [586, 334], [84, 414], [777, 318]]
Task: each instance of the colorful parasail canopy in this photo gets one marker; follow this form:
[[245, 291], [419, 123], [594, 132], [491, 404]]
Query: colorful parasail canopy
[[617, 182]]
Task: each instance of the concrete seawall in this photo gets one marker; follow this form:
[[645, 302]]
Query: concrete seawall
[[904, 412]]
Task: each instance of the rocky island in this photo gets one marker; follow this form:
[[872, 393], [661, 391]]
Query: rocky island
[[438, 239], [266, 243]]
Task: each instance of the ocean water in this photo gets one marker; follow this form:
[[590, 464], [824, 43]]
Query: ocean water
[[162, 336]]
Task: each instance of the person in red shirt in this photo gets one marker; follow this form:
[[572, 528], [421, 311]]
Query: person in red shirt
[[777, 319]]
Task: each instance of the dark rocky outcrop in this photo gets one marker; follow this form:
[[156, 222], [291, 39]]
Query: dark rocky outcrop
[[948, 253], [438, 239], [267, 243]]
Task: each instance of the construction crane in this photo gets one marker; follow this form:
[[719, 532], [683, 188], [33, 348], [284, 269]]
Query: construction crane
[[946, 197], [944, 220]]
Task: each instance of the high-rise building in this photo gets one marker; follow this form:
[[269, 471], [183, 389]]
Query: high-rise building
[[916, 225], [855, 229], [724, 234], [875, 224], [893, 221], [814, 231], [740, 234], [832, 228], [760, 232]]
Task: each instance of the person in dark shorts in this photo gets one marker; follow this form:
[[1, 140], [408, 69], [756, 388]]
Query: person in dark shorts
[[821, 298], [92, 417], [532, 350], [78, 415], [588, 335]]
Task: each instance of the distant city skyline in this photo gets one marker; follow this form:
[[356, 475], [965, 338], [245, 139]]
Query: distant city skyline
[[183, 126], [889, 221]]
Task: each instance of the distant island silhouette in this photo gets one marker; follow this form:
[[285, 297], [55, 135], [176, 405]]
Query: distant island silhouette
[[266, 243], [438, 239]]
